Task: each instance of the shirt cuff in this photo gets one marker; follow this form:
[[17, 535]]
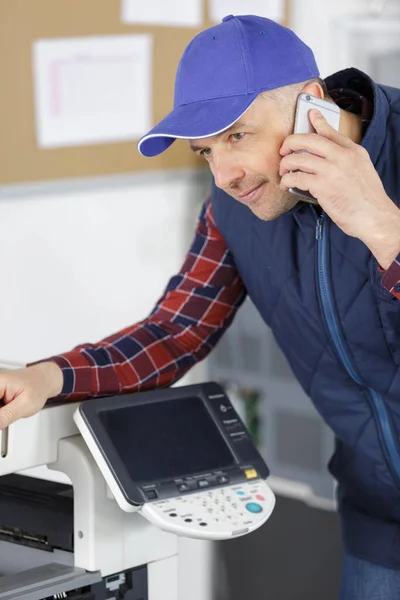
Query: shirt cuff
[[391, 277]]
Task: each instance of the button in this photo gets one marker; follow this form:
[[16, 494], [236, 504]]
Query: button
[[228, 18], [259, 497], [173, 515], [253, 507], [228, 422], [222, 479], [241, 493], [183, 487], [151, 495], [188, 520], [203, 483], [250, 473], [235, 428], [203, 524]]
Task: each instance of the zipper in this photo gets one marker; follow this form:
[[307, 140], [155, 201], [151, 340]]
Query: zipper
[[338, 341]]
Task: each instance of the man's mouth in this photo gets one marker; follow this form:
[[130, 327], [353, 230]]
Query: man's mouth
[[250, 195]]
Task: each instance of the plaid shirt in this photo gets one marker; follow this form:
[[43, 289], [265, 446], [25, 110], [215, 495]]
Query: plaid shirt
[[198, 304]]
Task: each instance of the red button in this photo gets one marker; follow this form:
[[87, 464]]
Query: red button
[[259, 497]]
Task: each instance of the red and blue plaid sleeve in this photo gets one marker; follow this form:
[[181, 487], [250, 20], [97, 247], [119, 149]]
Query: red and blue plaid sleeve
[[198, 304], [391, 277]]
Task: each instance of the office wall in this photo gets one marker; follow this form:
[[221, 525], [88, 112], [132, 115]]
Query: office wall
[[82, 260], [312, 21]]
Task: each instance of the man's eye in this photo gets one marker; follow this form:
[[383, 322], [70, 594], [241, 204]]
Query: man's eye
[[237, 136], [205, 152]]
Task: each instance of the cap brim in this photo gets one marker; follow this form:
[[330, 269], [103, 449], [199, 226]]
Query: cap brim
[[195, 121]]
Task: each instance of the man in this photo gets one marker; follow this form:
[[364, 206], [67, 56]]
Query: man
[[323, 278]]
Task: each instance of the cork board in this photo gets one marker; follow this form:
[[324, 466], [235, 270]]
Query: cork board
[[24, 21]]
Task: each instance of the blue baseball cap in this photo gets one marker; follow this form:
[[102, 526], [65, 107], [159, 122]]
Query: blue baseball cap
[[221, 73]]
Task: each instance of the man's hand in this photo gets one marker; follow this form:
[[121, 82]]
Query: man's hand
[[24, 392], [340, 174]]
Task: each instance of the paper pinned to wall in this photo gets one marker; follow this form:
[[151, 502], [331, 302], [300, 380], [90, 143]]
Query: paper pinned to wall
[[272, 9], [92, 90], [174, 13]]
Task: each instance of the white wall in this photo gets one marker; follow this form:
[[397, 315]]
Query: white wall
[[81, 262], [313, 22]]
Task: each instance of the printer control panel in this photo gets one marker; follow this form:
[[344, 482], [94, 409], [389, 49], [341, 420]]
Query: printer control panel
[[182, 457], [214, 514]]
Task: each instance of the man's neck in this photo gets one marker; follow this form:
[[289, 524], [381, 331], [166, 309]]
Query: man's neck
[[350, 125]]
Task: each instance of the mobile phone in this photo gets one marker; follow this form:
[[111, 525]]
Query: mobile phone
[[331, 112]]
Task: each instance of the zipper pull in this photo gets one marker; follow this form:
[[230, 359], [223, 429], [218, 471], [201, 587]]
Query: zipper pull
[[318, 230]]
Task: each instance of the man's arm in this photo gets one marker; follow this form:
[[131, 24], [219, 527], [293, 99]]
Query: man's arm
[[188, 320], [198, 304]]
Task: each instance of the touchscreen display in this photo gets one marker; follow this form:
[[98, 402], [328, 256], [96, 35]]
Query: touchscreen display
[[163, 440]]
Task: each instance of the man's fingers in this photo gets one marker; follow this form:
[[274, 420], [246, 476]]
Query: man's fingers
[[23, 392], [310, 142], [11, 412], [323, 128], [302, 161], [298, 179], [326, 142]]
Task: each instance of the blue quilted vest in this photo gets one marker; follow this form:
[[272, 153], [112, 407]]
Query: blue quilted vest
[[320, 293]]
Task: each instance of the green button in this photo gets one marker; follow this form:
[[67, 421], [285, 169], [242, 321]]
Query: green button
[[254, 507]]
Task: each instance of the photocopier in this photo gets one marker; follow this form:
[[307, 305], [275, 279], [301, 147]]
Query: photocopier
[[144, 468]]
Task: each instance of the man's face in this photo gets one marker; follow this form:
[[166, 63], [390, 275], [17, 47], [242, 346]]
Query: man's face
[[245, 159]]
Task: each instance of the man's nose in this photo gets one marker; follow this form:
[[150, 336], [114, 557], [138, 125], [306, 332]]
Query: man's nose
[[226, 170]]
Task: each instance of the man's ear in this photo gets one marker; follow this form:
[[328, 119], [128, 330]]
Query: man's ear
[[314, 89]]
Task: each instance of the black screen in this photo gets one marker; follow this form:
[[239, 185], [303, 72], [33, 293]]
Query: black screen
[[163, 440]]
